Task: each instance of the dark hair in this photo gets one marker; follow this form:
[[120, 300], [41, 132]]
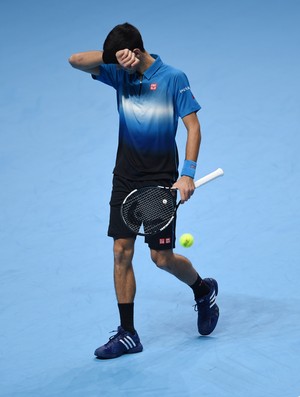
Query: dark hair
[[121, 37]]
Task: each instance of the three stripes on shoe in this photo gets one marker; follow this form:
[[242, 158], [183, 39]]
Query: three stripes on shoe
[[212, 299], [127, 342]]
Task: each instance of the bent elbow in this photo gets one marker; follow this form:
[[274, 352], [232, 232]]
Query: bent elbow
[[75, 60]]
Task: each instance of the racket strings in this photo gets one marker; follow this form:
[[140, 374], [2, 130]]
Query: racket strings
[[149, 208]]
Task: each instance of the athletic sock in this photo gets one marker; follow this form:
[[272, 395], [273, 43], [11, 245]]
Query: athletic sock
[[126, 316], [200, 288]]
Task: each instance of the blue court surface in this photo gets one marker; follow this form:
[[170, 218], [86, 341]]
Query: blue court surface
[[58, 137]]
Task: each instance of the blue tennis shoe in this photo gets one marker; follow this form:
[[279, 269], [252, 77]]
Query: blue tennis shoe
[[123, 342], [208, 310]]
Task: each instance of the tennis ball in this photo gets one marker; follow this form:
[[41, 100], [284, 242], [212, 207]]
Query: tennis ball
[[186, 240]]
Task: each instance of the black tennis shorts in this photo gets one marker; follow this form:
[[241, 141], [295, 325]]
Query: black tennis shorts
[[118, 229]]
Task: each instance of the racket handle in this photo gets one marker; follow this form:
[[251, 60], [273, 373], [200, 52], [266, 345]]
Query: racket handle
[[207, 178]]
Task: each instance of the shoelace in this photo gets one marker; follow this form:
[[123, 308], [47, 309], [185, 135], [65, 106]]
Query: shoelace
[[113, 336], [200, 302]]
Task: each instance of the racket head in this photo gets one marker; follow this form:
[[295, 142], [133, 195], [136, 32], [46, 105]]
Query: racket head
[[149, 210]]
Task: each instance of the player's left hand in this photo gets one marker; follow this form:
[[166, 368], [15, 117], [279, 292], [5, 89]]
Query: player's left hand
[[186, 187]]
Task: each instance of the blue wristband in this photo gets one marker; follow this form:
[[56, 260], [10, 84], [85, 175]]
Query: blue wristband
[[189, 168]]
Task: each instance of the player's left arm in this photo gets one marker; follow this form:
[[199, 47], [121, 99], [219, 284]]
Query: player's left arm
[[185, 184]]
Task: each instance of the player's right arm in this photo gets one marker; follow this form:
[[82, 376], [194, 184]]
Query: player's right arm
[[88, 61]]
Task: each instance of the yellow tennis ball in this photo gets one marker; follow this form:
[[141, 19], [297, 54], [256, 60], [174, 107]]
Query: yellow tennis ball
[[186, 240]]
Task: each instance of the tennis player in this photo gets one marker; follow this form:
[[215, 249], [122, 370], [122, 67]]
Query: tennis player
[[151, 97]]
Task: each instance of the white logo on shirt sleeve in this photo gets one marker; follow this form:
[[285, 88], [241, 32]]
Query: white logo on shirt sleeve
[[184, 89]]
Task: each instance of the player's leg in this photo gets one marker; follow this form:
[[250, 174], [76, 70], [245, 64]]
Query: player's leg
[[205, 290], [123, 250], [178, 265], [175, 264], [124, 279], [126, 339], [161, 248]]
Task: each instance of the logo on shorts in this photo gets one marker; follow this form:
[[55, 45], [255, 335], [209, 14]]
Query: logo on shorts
[[163, 241]]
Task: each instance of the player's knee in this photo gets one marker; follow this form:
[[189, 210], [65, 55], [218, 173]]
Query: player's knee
[[161, 259], [123, 251]]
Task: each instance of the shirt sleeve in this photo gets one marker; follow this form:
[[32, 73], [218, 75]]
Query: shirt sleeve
[[185, 102], [108, 75]]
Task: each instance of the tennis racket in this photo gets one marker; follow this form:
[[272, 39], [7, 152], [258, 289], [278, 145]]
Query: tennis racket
[[149, 210]]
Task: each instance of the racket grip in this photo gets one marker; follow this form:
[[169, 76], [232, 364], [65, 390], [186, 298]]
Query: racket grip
[[209, 177]]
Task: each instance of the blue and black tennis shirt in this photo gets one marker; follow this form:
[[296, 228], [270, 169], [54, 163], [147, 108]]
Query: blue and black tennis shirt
[[149, 107]]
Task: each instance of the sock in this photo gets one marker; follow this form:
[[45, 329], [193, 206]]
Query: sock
[[200, 288], [126, 316]]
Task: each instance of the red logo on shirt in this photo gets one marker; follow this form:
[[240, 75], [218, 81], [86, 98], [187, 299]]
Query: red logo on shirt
[[153, 86]]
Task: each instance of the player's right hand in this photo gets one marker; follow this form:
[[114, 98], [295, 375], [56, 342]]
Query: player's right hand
[[127, 59], [186, 187]]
